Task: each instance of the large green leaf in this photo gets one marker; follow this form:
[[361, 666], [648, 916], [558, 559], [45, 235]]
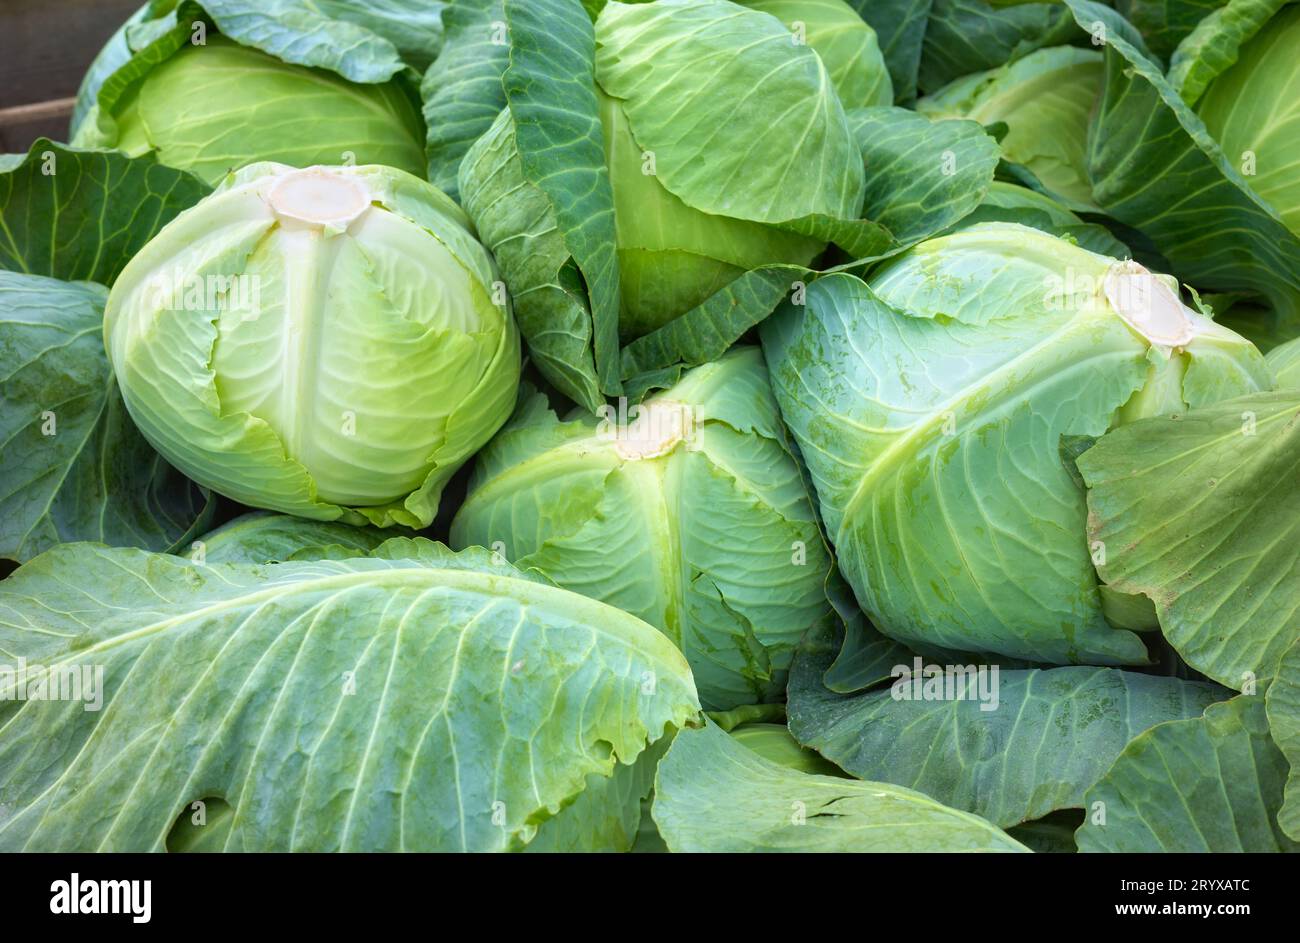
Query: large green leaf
[[313, 34], [73, 466], [1044, 101], [1201, 513], [1212, 783], [847, 46], [1048, 736], [81, 214], [414, 27], [517, 222], [417, 700], [909, 193], [922, 176], [462, 89], [713, 794]]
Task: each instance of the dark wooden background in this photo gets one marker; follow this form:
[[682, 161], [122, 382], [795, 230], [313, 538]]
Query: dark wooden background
[[45, 47]]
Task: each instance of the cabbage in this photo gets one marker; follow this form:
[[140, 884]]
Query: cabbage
[[689, 513], [322, 342], [939, 406], [298, 87]]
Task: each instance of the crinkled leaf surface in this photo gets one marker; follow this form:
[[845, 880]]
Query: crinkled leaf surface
[[415, 27], [713, 794], [608, 815], [73, 466], [115, 54], [417, 700], [1211, 783], [1049, 736], [1282, 704], [314, 35], [1201, 513]]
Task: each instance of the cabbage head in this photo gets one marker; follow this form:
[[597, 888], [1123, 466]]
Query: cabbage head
[[322, 342], [217, 106], [718, 163], [692, 516], [940, 406], [1045, 100]]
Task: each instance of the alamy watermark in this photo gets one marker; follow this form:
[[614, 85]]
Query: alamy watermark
[[69, 682], [180, 291], [923, 682]]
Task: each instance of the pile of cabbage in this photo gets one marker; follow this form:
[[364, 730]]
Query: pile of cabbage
[[585, 426]]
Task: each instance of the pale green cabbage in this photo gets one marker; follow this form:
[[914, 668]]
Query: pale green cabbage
[[216, 107], [321, 342], [940, 405], [692, 516]]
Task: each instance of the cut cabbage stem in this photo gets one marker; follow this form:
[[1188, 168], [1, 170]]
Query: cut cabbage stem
[[656, 431], [1148, 305], [319, 198]]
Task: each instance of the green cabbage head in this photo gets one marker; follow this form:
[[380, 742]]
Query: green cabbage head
[[690, 513], [1045, 100], [940, 407], [323, 342], [1253, 110], [717, 161], [216, 107]]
